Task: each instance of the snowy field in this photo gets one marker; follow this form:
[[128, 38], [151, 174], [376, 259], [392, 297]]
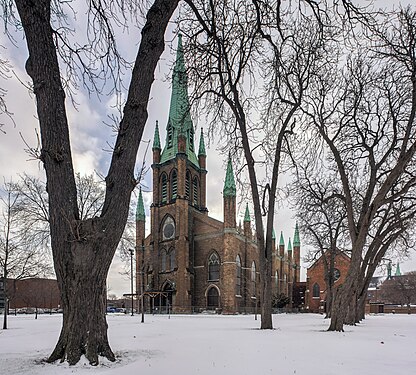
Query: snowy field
[[205, 344]]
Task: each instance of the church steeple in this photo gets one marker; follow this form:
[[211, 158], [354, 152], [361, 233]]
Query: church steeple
[[156, 138], [282, 241], [179, 122], [229, 183], [296, 239], [140, 214], [398, 272], [201, 151], [247, 215], [229, 195]]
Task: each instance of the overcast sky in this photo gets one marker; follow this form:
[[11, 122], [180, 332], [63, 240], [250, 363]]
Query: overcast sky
[[90, 136]]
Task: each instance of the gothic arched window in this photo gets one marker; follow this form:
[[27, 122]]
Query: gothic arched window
[[276, 281], [214, 267], [316, 291], [174, 184], [238, 276], [253, 277]]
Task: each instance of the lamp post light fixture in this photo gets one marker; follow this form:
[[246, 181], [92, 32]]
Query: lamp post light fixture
[[132, 278]]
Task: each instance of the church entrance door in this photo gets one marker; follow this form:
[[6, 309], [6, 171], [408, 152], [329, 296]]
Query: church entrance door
[[213, 298]]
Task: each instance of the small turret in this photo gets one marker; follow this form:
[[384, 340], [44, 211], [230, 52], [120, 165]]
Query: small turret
[[229, 195], [156, 145], [140, 214], [398, 272], [229, 183], [281, 245], [140, 219], [247, 223], [296, 253]]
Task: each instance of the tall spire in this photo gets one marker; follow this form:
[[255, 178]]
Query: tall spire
[[201, 151], [247, 218], [179, 122], [229, 183], [282, 241], [296, 239], [156, 138], [398, 272], [289, 245], [140, 214]]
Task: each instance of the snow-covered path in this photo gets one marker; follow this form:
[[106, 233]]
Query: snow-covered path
[[206, 344]]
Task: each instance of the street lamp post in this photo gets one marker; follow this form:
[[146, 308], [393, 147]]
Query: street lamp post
[[132, 278], [141, 284]]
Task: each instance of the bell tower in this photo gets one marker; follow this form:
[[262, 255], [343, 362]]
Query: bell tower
[[179, 186]]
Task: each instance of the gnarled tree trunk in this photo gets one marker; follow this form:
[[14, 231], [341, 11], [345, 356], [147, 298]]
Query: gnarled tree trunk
[[83, 249]]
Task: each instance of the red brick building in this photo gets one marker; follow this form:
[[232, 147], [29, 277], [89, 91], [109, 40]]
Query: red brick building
[[191, 261], [315, 282], [34, 293]]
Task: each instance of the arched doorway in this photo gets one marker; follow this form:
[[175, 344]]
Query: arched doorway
[[213, 298], [167, 297]]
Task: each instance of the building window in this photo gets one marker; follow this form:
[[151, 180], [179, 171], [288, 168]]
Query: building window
[[187, 185], [168, 229], [195, 191], [163, 260], [172, 257], [276, 281], [164, 188], [213, 300], [214, 267], [238, 276], [174, 184], [316, 290], [253, 278]]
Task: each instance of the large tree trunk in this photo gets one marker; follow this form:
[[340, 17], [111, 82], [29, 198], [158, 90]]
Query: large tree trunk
[[83, 250], [342, 299], [266, 301], [83, 300]]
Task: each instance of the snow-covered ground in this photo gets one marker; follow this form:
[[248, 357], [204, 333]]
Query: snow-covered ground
[[206, 344]]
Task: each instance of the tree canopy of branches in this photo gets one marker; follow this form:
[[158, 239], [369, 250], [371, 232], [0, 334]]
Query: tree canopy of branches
[[321, 215], [84, 247], [364, 112], [250, 64]]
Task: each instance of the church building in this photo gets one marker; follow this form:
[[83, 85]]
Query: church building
[[191, 261]]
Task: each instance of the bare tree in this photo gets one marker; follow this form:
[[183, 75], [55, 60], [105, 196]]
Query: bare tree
[[321, 215], [19, 257], [83, 248], [365, 114], [250, 64]]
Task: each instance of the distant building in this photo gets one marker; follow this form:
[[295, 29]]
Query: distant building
[[316, 292], [191, 261], [34, 293]]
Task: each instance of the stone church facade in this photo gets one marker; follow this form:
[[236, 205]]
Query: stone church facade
[[190, 261]]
